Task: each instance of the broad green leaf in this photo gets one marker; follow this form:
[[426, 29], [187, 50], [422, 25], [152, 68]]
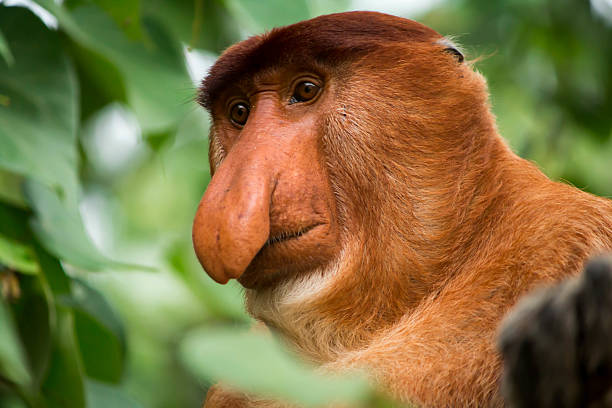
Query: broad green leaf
[[101, 395], [56, 280], [255, 362], [100, 81], [319, 7], [273, 13], [107, 362], [64, 385], [12, 360], [158, 86], [13, 223], [90, 301], [60, 229], [5, 51], [11, 189], [30, 308], [17, 256], [11, 401], [198, 23], [193, 129], [126, 14], [38, 115], [33, 318], [98, 328], [221, 301]]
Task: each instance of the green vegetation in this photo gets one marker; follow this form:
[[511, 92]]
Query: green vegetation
[[103, 159]]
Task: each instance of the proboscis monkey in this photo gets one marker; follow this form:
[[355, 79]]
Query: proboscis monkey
[[363, 197]]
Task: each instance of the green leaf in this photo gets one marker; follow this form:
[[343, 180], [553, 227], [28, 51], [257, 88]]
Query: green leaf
[[199, 23], [98, 328], [12, 223], [11, 189], [90, 301], [107, 362], [195, 124], [17, 256], [33, 317], [12, 361], [100, 395], [56, 280], [319, 7], [255, 362], [100, 81], [126, 14], [11, 401], [64, 386], [158, 86], [5, 51], [38, 107], [222, 301], [60, 229], [273, 13]]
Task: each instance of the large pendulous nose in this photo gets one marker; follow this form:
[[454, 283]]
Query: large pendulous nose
[[232, 222]]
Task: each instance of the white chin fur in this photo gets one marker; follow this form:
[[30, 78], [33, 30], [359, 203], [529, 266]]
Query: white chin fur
[[268, 304], [286, 309]]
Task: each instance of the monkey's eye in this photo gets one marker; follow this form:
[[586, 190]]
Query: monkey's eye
[[239, 113], [304, 91]]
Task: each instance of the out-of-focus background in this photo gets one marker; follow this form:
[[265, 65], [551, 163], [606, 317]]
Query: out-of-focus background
[[103, 159]]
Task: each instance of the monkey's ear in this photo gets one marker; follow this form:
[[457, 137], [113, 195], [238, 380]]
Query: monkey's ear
[[456, 53], [452, 48]]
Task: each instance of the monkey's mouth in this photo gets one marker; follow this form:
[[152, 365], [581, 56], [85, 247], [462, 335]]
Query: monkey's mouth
[[287, 253], [287, 236]]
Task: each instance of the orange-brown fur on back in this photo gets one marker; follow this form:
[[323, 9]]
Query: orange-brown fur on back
[[442, 227]]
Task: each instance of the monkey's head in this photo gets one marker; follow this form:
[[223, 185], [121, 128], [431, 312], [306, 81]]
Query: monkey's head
[[330, 132]]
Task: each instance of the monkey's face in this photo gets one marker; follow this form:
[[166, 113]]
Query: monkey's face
[[324, 135], [269, 211]]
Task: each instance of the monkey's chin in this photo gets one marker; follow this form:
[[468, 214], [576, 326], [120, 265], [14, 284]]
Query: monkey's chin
[[282, 258]]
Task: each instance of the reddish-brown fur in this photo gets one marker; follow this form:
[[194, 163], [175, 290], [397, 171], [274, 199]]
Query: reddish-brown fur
[[438, 227]]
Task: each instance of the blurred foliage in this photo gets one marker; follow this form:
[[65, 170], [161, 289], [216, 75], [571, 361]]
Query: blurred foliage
[[549, 69], [103, 159]]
